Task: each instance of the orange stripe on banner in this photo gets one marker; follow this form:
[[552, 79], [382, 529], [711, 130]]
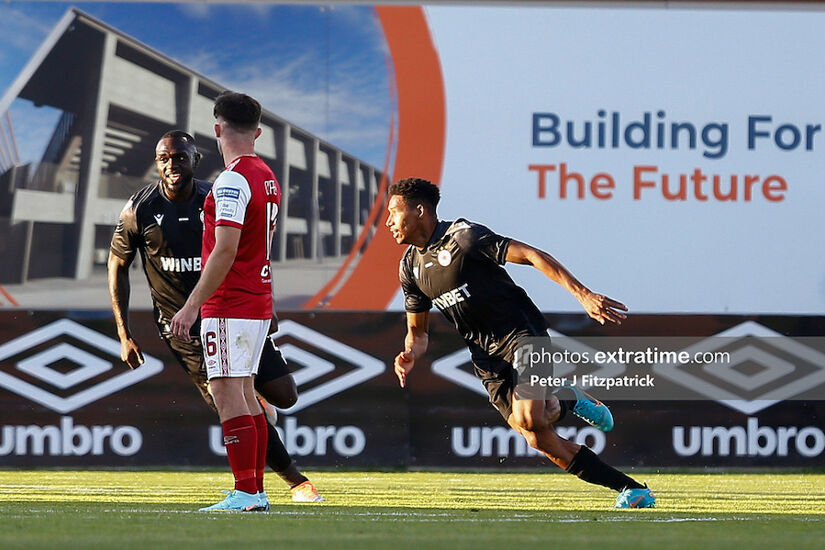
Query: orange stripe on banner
[[8, 297], [421, 137]]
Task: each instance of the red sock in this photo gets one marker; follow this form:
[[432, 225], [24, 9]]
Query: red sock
[[260, 426], [241, 439]]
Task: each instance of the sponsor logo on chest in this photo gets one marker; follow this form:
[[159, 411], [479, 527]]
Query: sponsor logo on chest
[[178, 265], [452, 297]]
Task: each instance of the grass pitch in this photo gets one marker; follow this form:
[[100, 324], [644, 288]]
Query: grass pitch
[[425, 511]]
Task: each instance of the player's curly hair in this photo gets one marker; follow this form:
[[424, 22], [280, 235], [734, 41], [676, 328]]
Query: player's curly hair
[[416, 190], [242, 112], [179, 135]]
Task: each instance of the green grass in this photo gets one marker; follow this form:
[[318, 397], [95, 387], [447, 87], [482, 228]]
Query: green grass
[[426, 511]]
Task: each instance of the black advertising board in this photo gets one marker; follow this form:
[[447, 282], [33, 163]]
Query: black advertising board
[[67, 400]]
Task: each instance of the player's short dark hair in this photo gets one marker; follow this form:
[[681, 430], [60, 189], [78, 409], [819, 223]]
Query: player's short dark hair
[[180, 135], [416, 190], [240, 111]]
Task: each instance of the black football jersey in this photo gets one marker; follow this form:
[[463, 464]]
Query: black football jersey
[[168, 236], [460, 272]]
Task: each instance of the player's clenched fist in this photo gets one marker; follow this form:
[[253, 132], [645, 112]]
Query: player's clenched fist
[[130, 353], [404, 362]]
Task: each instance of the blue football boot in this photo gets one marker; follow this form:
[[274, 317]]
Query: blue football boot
[[636, 498], [236, 501], [591, 410]]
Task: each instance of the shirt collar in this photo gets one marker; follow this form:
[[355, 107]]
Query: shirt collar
[[440, 230]]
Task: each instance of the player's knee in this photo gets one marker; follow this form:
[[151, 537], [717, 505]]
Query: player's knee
[[532, 423], [280, 392], [287, 399], [531, 438]]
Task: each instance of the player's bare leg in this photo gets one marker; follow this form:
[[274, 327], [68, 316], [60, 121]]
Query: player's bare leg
[[281, 392], [229, 397], [533, 420]]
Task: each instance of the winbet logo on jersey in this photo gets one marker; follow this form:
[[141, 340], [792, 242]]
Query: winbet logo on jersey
[[180, 265]]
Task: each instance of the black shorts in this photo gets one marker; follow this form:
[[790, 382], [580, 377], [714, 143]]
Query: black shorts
[[190, 357], [501, 379]]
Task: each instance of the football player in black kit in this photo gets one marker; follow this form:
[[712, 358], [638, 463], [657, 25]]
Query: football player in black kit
[[163, 222], [457, 266]]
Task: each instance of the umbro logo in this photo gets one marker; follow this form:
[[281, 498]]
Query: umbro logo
[[34, 366], [766, 367], [362, 366]]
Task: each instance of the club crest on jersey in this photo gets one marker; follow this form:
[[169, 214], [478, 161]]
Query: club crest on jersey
[[444, 258], [158, 218]]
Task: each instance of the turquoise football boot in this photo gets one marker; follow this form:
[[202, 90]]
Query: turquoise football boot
[[236, 501], [636, 498], [591, 410]]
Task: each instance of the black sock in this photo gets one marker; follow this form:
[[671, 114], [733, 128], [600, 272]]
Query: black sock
[[279, 460], [276, 456], [292, 476], [567, 400], [588, 467], [564, 406]]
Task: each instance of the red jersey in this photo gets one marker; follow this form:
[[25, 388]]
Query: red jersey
[[245, 195]]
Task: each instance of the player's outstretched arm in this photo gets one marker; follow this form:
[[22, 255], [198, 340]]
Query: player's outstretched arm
[[415, 344], [598, 306], [119, 291]]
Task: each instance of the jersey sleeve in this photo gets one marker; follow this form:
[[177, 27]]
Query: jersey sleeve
[[232, 194], [415, 301], [480, 242], [126, 238]]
